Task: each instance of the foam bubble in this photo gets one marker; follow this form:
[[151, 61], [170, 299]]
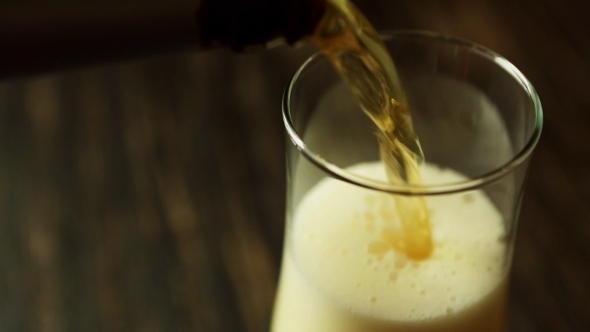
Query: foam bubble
[[368, 262]]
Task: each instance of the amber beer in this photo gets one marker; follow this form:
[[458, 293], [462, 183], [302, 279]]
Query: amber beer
[[355, 49], [359, 260]]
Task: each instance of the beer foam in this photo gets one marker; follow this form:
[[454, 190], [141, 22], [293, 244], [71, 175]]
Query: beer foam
[[339, 256]]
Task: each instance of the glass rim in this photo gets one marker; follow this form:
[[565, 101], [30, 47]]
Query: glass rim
[[422, 190]]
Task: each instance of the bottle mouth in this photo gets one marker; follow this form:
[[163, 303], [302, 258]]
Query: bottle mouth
[[246, 25], [476, 182]]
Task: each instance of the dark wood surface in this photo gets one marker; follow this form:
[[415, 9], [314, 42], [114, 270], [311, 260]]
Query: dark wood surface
[[149, 195]]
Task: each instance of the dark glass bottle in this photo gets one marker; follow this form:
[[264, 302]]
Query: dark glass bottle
[[35, 39]]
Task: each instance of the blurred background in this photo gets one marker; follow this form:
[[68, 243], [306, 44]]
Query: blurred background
[[148, 195]]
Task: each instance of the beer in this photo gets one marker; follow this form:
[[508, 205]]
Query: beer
[[358, 260], [354, 47], [334, 279]]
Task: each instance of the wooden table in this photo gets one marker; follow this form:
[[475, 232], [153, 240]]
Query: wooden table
[[149, 195]]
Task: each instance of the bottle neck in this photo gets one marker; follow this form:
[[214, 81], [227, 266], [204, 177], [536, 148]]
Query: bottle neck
[[34, 40], [254, 23]]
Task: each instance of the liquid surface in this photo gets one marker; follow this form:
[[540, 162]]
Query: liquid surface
[[358, 54], [339, 274]]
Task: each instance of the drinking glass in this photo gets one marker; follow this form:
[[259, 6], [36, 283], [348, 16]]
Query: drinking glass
[[478, 120]]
